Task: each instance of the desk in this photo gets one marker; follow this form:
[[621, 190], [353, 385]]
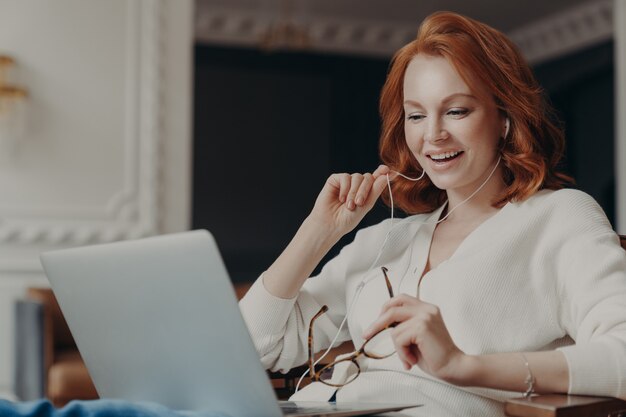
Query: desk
[[565, 406]]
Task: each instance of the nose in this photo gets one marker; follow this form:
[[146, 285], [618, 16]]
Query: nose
[[435, 131]]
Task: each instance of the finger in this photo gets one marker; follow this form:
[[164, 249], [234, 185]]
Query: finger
[[396, 314], [403, 353], [355, 182], [379, 185], [405, 343], [384, 170], [381, 170], [403, 359], [364, 189], [344, 186], [400, 300], [407, 357]]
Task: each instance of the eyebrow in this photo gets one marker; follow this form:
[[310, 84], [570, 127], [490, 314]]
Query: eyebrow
[[445, 100]]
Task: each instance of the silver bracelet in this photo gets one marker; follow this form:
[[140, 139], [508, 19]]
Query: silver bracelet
[[530, 379]]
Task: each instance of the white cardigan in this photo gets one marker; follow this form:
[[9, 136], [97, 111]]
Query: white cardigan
[[547, 273]]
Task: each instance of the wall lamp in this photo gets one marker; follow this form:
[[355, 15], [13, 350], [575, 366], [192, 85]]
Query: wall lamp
[[12, 109]]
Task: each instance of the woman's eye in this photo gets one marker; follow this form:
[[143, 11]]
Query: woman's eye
[[415, 117], [457, 112]]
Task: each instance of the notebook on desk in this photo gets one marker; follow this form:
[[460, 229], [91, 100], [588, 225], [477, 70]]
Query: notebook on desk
[[157, 319]]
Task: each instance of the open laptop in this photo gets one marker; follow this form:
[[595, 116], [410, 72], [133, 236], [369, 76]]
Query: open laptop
[[157, 319]]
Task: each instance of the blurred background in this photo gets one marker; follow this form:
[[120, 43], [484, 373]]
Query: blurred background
[[128, 118], [286, 92]]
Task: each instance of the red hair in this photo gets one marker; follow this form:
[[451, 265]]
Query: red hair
[[480, 54]]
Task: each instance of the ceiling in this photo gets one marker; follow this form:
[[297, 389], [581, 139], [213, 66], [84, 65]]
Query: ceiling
[[542, 29], [505, 15]]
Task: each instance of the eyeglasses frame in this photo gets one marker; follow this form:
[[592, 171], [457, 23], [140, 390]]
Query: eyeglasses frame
[[316, 375]]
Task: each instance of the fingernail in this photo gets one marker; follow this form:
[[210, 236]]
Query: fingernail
[[359, 200], [351, 204], [342, 199]]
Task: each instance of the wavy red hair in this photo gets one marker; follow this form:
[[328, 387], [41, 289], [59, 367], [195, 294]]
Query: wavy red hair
[[535, 144]]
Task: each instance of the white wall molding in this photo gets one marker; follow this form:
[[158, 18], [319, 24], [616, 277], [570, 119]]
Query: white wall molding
[[574, 29], [107, 154], [539, 41], [240, 27], [135, 209]]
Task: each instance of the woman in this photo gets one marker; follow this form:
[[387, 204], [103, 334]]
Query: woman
[[506, 282]]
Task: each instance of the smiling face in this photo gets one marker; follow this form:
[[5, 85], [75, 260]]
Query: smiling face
[[453, 134]]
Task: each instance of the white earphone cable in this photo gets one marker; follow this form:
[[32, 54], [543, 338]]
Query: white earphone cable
[[380, 251]]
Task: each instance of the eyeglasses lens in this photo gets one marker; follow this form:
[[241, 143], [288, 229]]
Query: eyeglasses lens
[[380, 346], [347, 366]]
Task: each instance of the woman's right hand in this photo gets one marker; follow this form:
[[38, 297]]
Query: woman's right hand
[[346, 198], [340, 206]]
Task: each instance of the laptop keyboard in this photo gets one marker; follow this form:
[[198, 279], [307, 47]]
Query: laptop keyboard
[[292, 408]]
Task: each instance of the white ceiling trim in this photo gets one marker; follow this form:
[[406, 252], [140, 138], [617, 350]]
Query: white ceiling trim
[[571, 30], [539, 41], [238, 27]]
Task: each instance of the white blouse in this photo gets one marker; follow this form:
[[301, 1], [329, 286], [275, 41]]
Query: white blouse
[[547, 273]]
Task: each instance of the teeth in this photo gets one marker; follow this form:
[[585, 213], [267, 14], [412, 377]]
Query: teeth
[[445, 155]]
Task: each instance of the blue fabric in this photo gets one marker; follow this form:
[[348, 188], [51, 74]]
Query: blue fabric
[[95, 408]]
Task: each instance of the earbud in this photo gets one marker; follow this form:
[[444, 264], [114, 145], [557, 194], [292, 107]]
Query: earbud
[[507, 124]]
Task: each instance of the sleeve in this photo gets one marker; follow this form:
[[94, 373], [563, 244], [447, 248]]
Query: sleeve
[[591, 268], [279, 327], [95, 408]]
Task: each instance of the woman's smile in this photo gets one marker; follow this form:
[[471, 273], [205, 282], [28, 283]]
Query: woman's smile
[[440, 161]]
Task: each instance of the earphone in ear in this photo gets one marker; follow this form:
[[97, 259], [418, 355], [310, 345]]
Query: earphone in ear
[[507, 124]]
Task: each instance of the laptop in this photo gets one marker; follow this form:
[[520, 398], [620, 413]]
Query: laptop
[[157, 319]]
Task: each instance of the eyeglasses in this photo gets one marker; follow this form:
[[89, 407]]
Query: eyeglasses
[[379, 346]]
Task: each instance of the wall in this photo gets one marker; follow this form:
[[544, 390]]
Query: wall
[[106, 155], [581, 87], [282, 123]]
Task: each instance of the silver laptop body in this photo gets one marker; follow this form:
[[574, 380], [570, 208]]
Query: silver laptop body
[[157, 319]]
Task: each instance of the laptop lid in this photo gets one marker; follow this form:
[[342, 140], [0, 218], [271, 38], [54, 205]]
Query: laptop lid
[[157, 319]]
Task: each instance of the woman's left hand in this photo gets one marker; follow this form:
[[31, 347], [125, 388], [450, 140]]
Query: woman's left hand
[[421, 338]]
